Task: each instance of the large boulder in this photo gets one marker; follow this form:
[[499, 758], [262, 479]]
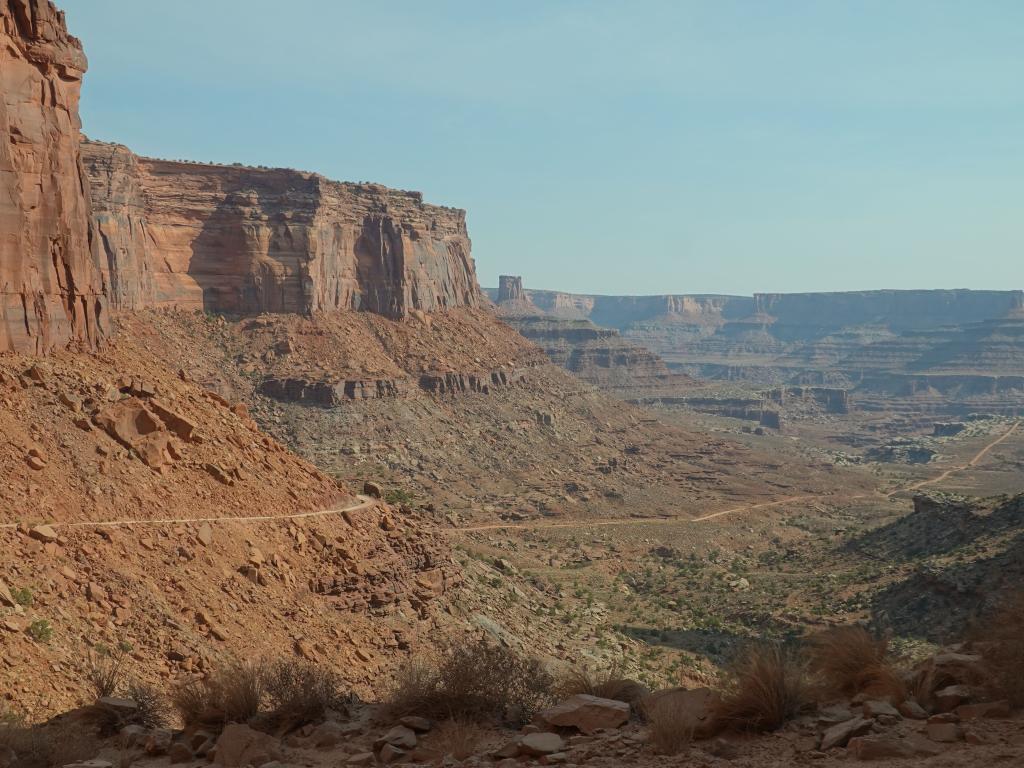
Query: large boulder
[[240, 745], [693, 709], [841, 733], [586, 713], [537, 744]]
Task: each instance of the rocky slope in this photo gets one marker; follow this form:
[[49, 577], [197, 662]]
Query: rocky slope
[[248, 240], [51, 291], [138, 507]]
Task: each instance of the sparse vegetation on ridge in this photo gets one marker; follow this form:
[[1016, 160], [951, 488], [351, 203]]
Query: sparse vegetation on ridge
[[478, 681]]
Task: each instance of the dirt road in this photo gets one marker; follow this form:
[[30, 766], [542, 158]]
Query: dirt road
[[619, 521], [365, 502]]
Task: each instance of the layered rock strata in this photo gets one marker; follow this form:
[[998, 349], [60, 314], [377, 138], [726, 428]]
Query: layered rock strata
[[599, 356], [51, 291], [240, 240], [949, 351], [330, 394]]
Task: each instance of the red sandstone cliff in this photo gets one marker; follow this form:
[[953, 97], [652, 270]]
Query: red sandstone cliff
[[247, 240], [131, 232], [51, 291]]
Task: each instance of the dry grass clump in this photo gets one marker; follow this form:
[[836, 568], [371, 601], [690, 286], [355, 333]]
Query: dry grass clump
[[765, 687], [153, 711], [475, 682], [233, 693], [849, 660], [106, 669], [300, 692], [609, 683], [671, 726], [282, 695], [1000, 638]]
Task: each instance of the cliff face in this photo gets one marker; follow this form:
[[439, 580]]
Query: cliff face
[[51, 291], [246, 240]]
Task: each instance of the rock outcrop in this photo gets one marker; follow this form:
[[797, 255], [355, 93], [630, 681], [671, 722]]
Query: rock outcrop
[[51, 291], [240, 240], [599, 356]]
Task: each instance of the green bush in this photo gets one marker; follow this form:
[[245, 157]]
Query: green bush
[[40, 631], [398, 496]]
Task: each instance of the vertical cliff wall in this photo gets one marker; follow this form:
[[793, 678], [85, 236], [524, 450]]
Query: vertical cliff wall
[[247, 240], [51, 290]]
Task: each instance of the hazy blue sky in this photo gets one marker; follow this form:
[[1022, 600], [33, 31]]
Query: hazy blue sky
[[613, 147]]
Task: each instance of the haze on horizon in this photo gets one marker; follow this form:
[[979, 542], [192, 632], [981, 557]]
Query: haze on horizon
[[654, 147]]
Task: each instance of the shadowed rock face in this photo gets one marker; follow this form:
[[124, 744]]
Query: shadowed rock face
[[51, 290], [248, 240]]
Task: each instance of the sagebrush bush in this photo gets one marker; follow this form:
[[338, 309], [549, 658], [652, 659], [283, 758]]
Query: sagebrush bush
[[849, 660], [153, 710], [300, 692], [277, 696], [476, 682], [765, 686], [233, 693]]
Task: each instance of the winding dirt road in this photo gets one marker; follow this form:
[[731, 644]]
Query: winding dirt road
[[619, 521], [366, 502]]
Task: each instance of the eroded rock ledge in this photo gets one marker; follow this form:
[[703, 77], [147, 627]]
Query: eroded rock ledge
[[330, 394]]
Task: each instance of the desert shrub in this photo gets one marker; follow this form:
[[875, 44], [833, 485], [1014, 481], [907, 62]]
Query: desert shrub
[[607, 683], [300, 692], [23, 596], [849, 660], [40, 630], [475, 682], [765, 686], [398, 496], [106, 669], [671, 725], [1000, 638], [414, 689], [233, 693], [153, 709]]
